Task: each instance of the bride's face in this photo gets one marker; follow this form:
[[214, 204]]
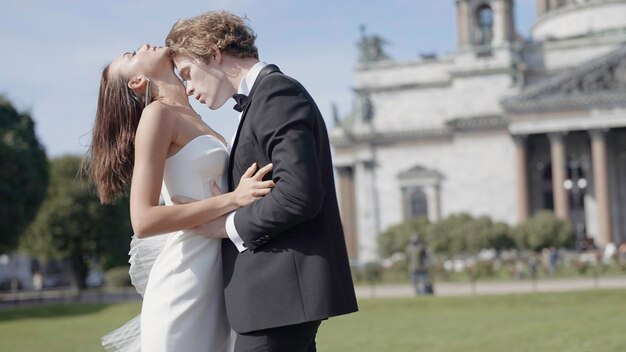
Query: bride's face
[[149, 61]]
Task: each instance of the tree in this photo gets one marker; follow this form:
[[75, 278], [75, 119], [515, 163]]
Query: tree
[[502, 236], [396, 238], [447, 236], [544, 230], [463, 234], [23, 174], [72, 224]]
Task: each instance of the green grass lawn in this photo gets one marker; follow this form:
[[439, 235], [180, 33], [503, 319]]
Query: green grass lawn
[[591, 321]]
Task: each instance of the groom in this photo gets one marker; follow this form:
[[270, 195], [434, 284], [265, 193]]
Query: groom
[[284, 256]]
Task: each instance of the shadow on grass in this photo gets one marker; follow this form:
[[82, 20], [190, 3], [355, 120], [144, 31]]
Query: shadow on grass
[[50, 311]]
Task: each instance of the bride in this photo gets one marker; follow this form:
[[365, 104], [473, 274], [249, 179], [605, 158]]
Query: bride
[[147, 136]]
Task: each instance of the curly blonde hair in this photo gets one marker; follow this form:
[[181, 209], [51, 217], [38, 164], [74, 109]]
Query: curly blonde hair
[[211, 32]]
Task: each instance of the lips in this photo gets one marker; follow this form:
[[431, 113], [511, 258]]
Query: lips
[[199, 98]]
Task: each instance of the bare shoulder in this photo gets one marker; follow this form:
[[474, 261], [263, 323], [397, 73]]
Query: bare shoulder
[[156, 119], [156, 113]]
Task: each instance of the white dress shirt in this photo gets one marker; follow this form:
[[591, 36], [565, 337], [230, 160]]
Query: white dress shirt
[[244, 88]]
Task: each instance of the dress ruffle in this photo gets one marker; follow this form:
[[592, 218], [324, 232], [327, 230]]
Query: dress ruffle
[[143, 253]]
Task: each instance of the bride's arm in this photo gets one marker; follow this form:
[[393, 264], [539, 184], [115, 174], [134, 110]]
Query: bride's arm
[[155, 133]]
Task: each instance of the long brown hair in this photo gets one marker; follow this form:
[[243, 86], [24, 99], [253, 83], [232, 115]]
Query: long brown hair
[[112, 152]]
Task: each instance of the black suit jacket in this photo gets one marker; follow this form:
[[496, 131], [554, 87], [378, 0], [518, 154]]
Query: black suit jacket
[[295, 268]]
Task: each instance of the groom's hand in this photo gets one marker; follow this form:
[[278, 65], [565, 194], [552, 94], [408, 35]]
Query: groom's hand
[[183, 200], [215, 228], [215, 189]]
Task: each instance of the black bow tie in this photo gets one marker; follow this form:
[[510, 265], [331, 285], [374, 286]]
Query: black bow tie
[[242, 100]]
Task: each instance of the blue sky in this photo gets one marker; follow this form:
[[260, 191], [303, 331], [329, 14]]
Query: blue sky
[[54, 51]]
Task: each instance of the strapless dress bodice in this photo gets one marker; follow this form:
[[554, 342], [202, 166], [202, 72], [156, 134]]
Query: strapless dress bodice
[[190, 171]]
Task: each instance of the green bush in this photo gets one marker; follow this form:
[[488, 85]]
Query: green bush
[[357, 274], [463, 234], [437, 269], [544, 230], [501, 237], [481, 268], [581, 267], [447, 236], [396, 238], [373, 272], [117, 277], [484, 268], [400, 265]]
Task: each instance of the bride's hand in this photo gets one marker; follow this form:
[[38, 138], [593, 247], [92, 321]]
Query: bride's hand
[[251, 186]]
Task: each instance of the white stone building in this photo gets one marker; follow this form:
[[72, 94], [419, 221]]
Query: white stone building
[[504, 126]]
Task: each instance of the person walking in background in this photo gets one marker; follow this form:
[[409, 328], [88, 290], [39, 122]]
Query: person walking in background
[[417, 257], [553, 259]]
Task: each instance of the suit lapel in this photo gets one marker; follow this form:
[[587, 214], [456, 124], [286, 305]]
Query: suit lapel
[[264, 72]]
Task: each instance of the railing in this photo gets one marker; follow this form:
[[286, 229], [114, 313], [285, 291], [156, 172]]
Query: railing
[[94, 295]]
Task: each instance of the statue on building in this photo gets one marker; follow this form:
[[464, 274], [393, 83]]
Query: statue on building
[[371, 48]]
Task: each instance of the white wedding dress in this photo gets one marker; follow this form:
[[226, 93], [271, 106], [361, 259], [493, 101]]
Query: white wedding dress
[[179, 274]]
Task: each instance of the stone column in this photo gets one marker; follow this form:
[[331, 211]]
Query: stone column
[[521, 166], [559, 174], [462, 24], [365, 212], [542, 7], [348, 210], [499, 23], [510, 28], [503, 22], [601, 184], [434, 203]]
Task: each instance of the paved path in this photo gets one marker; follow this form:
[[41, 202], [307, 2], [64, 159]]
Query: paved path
[[30, 298], [495, 288], [380, 291]]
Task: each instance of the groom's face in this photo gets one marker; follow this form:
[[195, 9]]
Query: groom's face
[[206, 82]]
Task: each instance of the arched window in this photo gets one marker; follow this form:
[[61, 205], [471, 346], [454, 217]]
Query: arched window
[[420, 193], [417, 203], [484, 30]]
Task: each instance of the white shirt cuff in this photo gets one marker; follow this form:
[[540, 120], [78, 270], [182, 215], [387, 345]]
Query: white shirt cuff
[[232, 233]]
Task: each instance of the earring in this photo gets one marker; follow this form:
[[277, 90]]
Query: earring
[[147, 99]]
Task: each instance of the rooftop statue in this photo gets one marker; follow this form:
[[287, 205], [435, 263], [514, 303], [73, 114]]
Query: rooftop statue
[[371, 48]]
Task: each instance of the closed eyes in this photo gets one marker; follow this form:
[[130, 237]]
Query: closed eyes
[[181, 76]]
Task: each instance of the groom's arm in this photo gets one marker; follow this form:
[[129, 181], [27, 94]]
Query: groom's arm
[[285, 129]]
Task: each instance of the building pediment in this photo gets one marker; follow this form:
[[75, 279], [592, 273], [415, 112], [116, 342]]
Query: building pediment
[[419, 172], [600, 82]]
